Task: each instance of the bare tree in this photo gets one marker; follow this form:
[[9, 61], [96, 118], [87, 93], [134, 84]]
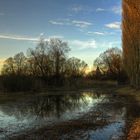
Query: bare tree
[[58, 52], [15, 65], [8, 67], [48, 58], [75, 67], [20, 63], [110, 61], [38, 59]]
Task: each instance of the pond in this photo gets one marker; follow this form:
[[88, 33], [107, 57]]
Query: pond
[[66, 115]]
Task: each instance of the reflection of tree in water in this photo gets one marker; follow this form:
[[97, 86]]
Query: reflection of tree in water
[[48, 106]]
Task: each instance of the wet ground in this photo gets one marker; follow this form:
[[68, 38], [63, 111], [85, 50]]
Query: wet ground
[[68, 116]]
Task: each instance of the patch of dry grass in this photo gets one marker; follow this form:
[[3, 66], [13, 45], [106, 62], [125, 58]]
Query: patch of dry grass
[[128, 91], [134, 131]]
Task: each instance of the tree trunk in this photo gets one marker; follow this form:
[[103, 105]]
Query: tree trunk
[[131, 40]]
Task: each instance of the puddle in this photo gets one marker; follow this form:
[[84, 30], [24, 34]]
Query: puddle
[[42, 111], [39, 111]]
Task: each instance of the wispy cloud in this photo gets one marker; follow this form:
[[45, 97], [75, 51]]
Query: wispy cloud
[[114, 25], [81, 8], [117, 9], [33, 39], [82, 44], [56, 36], [108, 44], [114, 44], [77, 8], [68, 22], [92, 44], [81, 24], [20, 38], [56, 22], [96, 33], [86, 9], [100, 10]]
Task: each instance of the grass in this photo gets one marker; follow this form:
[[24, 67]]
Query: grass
[[12, 97], [82, 85], [128, 91]]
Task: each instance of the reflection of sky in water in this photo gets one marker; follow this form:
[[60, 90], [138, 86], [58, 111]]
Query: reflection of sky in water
[[11, 124], [14, 118], [112, 131]]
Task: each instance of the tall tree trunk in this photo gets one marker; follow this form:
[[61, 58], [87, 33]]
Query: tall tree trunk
[[131, 40]]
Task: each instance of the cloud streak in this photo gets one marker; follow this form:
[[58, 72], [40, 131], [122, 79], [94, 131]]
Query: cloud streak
[[33, 39], [68, 22], [117, 9], [81, 8], [81, 24], [96, 33], [100, 10], [20, 38], [56, 22], [77, 8], [82, 44], [113, 25]]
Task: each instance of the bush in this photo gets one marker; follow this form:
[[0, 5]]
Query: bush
[[14, 83]]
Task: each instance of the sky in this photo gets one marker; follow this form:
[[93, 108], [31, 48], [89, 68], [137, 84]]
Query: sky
[[89, 26]]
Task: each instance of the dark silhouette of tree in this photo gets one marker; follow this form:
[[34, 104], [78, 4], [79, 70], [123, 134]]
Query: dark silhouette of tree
[[8, 67], [39, 60], [47, 64], [15, 74], [15, 65], [75, 67], [110, 62], [58, 50], [20, 63]]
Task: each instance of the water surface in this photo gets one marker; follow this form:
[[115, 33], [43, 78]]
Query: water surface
[[45, 111]]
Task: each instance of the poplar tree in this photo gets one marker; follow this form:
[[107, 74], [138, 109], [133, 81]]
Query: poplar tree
[[131, 40]]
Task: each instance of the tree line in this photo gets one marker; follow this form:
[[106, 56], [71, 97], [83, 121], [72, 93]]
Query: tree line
[[48, 64]]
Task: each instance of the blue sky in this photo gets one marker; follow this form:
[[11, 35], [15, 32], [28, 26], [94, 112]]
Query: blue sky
[[89, 26]]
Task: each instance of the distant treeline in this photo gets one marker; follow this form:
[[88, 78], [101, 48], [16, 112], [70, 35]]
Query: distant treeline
[[48, 65]]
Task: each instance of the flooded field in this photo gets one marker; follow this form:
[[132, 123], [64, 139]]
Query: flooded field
[[67, 115]]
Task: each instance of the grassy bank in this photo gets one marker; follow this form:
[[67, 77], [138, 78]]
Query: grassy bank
[[133, 125], [82, 85], [128, 91]]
